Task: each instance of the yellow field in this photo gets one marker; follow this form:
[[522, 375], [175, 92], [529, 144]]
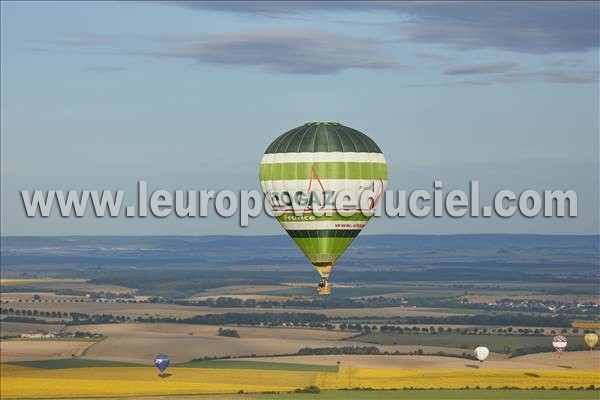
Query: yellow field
[[136, 381], [387, 378], [586, 324]]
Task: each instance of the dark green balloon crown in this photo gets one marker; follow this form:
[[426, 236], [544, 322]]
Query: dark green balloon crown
[[323, 137]]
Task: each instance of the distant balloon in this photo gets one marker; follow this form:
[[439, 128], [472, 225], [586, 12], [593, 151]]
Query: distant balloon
[[591, 339], [161, 362], [559, 343], [481, 353]]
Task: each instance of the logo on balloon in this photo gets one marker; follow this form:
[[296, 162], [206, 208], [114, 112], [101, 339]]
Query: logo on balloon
[[162, 362]]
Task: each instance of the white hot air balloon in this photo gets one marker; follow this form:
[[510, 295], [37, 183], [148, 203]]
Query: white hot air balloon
[[481, 352]]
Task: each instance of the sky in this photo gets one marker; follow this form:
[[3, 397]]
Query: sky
[[188, 95]]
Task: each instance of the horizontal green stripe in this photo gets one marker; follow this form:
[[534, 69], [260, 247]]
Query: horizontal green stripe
[[323, 233], [316, 249], [323, 170], [308, 216]]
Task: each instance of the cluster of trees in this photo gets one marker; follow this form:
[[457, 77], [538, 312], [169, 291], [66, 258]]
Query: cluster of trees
[[83, 334], [37, 313], [372, 350], [312, 320], [312, 389], [24, 319], [473, 330], [83, 319], [352, 350], [365, 328], [228, 333]]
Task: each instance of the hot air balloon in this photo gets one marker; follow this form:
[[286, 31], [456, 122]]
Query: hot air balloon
[[303, 175], [481, 352], [591, 339], [559, 343], [161, 362]]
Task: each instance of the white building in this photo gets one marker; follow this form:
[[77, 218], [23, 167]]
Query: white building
[[38, 335]]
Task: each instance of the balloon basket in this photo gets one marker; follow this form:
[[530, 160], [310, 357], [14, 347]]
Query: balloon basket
[[324, 290]]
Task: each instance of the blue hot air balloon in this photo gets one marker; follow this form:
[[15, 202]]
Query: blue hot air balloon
[[162, 361]]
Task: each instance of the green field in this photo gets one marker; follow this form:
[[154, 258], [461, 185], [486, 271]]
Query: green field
[[275, 366], [496, 343]]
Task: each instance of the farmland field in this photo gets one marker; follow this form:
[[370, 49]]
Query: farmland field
[[174, 310], [22, 381], [437, 394], [56, 284], [16, 328], [21, 350], [261, 365], [183, 342], [577, 360], [413, 288], [501, 344]]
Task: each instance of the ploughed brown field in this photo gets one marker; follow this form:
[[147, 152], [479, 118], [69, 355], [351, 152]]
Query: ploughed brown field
[[141, 342], [26, 350]]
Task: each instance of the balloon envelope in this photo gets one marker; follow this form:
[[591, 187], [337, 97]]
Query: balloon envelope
[[301, 174], [559, 342], [591, 339], [161, 362], [481, 353]]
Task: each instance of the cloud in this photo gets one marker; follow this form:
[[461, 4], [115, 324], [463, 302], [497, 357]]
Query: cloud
[[471, 69], [530, 27], [275, 8], [527, 27], [433, 56], [552, 76], [284, 52], [294, 52], [558, 76]]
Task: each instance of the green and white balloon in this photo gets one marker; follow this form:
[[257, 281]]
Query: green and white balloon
[[302, 173]]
